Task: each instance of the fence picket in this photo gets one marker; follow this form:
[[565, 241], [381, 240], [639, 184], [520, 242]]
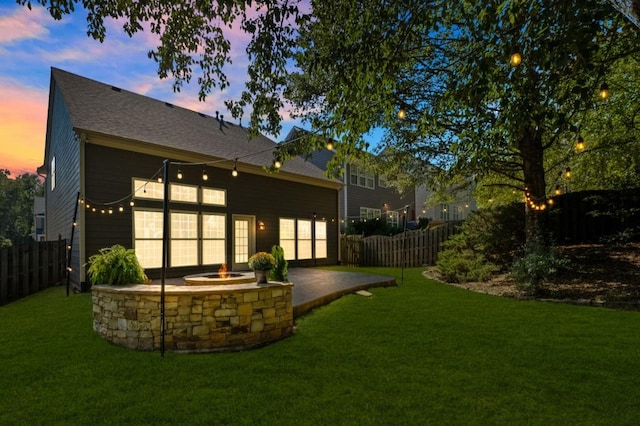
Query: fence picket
[[409, 249], [28, 268]]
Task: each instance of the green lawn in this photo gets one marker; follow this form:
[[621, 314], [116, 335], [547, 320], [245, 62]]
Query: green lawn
[[420, 353]]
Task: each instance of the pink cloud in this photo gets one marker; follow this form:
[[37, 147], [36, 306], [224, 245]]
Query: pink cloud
[[23, 119], [24, 24]]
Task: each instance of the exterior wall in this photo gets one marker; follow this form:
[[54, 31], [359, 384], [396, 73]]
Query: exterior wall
[[198, 319], [385, 199], [63, 144], [109, 175]]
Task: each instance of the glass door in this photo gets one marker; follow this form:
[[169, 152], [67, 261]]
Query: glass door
[[244, 241]]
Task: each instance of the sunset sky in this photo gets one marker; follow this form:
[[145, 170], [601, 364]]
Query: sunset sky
[[31, 42]]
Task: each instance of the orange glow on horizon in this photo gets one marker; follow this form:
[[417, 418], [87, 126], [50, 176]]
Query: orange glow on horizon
[[23, 118]]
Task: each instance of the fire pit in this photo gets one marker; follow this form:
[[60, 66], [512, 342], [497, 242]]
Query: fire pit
[[217, 311], [220, 278]]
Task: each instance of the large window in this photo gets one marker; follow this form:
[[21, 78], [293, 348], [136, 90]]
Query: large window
[[393, 218], [148, 237], [304, 239], [321, 240], [288, 238], [382, 181], [369, 213], [213, 238], [361, 177], [184, 239], [298, 240]]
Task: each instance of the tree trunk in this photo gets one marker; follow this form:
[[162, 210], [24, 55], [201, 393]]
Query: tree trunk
[[536, 217]]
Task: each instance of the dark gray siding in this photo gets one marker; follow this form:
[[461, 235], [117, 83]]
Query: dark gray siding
[[63, 144], [108, 178], [358, 196]]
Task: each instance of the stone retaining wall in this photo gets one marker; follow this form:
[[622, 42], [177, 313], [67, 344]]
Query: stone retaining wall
[[198, 318]]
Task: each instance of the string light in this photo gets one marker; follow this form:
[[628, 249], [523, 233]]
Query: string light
[[132, 203], [604, 91], [159, 179], [557, 191], [402, 112], [110, 210], [120, 208], [277, 164], [234, 172], [330, 145], [205, 176], [179, 174], [567, 172], [580, 145], [515, 59]]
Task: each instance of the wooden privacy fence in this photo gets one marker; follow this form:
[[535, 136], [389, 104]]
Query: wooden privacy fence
[[28, 268], [408, 249]]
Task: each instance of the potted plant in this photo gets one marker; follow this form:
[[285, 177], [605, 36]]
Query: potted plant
[[116, 265], [261, 263]]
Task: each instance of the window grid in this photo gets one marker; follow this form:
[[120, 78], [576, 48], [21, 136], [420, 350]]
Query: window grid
[[321, 240], [149, 189], [148, 237], [184, 239], [184, 193], [362, 177], [304, 239], [241, 241], [214, 197], [288, 238], [213, 239], [369, 213]]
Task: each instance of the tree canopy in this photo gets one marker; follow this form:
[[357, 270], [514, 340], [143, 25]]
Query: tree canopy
[[16, 206], [435, 74]]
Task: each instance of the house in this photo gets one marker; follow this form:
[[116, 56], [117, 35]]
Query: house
[[38, 218], [457, 209], [365, 194], [104, 155]]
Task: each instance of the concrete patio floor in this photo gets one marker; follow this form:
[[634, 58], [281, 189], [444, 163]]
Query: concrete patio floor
[[317, 287]]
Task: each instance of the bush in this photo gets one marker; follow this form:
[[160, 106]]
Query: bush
[[115, 266], [540, 264], [460, 263], [262, 261], [279, 272]]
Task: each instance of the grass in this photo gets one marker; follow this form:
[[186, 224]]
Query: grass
[[420, 353]]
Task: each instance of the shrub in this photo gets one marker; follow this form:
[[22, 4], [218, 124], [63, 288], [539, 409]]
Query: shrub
[[460, 263], [540, 264], [279, 272], [262, 261], [115, 265]]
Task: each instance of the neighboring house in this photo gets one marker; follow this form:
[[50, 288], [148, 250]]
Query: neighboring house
[[104, 152], [457, 209], [38, 218], [365, 195]]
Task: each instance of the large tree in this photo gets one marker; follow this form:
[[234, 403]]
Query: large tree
[[435, 74]]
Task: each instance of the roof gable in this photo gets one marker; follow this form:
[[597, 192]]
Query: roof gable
[[108, 110]]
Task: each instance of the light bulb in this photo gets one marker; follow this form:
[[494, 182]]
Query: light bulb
[[515, 59]]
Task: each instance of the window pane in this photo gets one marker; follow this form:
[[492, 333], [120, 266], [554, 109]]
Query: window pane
[[184, 193], [289, 247], [304, 229], [148, 224], [149, 253], [216, 197], [213, 226], [184, 252], [184, 225], [241, 243], [321, 230], [148, 189], [321, 249], [304, 249], [213, 251], [287, 229]]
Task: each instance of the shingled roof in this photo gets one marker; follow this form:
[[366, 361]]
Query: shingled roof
[[108, 110]]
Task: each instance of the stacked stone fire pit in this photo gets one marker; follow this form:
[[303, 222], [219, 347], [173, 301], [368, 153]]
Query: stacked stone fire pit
[[208, 313]]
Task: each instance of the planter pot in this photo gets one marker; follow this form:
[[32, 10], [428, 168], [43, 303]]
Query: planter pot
[[261, 275]]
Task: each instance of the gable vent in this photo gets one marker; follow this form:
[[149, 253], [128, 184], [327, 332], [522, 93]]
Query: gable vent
[[116, 89]]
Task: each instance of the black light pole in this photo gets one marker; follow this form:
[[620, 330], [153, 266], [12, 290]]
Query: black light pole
[[404, 242], [165, 235]]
